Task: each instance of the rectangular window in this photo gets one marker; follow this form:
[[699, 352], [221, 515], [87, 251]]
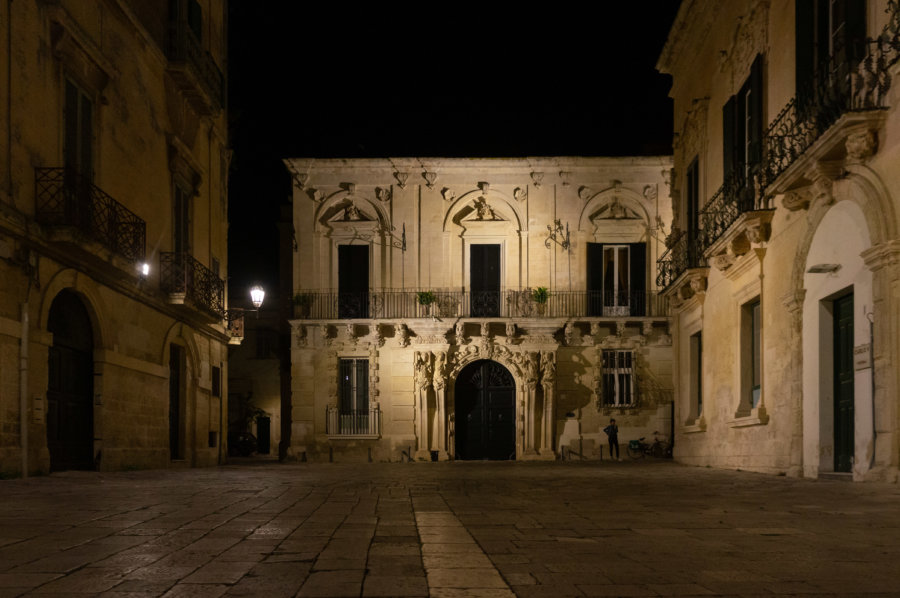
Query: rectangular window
[[618, 378], [182, 221], [755, 354], [354, 386], [696, 382], [266, 343], [79, 131], [216, 381], [751, 356], [830, 41], [742, 132]]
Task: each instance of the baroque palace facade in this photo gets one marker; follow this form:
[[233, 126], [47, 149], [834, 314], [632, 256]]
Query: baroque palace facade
[[783, 267], [476, 308], [113, 232]]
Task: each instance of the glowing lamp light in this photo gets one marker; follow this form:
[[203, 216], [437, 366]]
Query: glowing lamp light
[[257, 295]]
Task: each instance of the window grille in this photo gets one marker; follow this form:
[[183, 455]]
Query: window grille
[[618, 378]]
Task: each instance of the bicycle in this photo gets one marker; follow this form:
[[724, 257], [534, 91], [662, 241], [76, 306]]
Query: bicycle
[[638, 449]]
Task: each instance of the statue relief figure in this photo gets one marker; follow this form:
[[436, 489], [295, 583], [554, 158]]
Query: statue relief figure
[[440, 370], [531, 369], [548, 367], [352, 213], [422, 361], [483, 211]]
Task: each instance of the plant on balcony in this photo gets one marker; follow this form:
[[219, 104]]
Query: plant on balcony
[[540, 295], [302, 303], [425, 298]]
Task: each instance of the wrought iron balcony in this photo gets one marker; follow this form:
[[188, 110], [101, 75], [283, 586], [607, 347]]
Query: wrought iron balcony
[[403, 304], [67, 199], [737, 196], [186, 280], [194, 69], [353, 424], [684, 254], [840, 88]]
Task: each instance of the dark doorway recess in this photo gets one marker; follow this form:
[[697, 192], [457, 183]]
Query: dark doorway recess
[[263, 435], [843, 384], [485, 280], [70, 389], [353, 281], [485, 412]]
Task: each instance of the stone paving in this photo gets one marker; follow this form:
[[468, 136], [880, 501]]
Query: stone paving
[[647, 528]]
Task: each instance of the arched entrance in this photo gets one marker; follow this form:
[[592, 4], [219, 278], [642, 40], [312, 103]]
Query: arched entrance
[[70, 385], [485, 412]]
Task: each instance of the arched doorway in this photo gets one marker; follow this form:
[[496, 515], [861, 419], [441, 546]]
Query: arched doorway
[[70, 385], [485, 412]]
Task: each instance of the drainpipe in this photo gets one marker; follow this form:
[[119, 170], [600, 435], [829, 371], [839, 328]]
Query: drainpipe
[[23, 388], [871, 318]]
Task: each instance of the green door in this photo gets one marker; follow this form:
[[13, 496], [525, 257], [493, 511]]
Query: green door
[[843, 384]]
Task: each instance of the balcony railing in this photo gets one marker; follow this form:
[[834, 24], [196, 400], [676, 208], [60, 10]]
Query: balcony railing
[[65, 198], [402, 304], [739, 194], [184, 48], [840, 87], [685, 253], [365, 423], [183, 276]]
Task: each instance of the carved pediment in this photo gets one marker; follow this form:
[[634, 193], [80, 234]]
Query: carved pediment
[[614, 210], [348, 211], [480, 210]]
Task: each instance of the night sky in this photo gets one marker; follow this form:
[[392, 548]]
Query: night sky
[[442, 79]]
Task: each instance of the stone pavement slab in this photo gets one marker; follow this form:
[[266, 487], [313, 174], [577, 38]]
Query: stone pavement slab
[[449, 529]]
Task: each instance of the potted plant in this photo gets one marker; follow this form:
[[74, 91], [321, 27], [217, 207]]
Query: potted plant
[[540, 295], [426, 298], [302, 303]]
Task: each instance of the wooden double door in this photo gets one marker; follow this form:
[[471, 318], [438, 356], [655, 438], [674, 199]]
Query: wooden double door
[[485, 412]]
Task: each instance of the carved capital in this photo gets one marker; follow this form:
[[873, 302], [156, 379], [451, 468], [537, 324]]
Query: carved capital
[[883, 255], [537, 178], [401, 179], [429, 177]]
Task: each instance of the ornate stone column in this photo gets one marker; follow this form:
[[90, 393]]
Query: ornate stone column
[[423, 381], [439, 424], [548, 382], [884, 262], [529, 386]]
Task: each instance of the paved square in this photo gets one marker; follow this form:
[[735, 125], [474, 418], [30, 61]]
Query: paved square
[[648, 528]]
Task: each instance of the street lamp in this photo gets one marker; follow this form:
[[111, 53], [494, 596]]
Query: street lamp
[[257, 294]]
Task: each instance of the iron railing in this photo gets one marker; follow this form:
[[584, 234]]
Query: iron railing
[[401, 304], [739, 194], [65, 198], [685, 253], [184, 47], [841, 85], [353, 423], [180, 273]]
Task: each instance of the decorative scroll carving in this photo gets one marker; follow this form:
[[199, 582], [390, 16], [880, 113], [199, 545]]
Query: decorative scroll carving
[[401, 179], [798, 199], [448, 194], [564, 177], [429, 177], [537, 178], [585, 193], [520, 194], [383, 194], [650, 193]]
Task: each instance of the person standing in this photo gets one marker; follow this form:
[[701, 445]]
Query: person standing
[[612, 431]]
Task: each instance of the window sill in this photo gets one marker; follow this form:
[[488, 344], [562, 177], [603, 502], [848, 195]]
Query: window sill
[[694, 426], [756, 417]]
